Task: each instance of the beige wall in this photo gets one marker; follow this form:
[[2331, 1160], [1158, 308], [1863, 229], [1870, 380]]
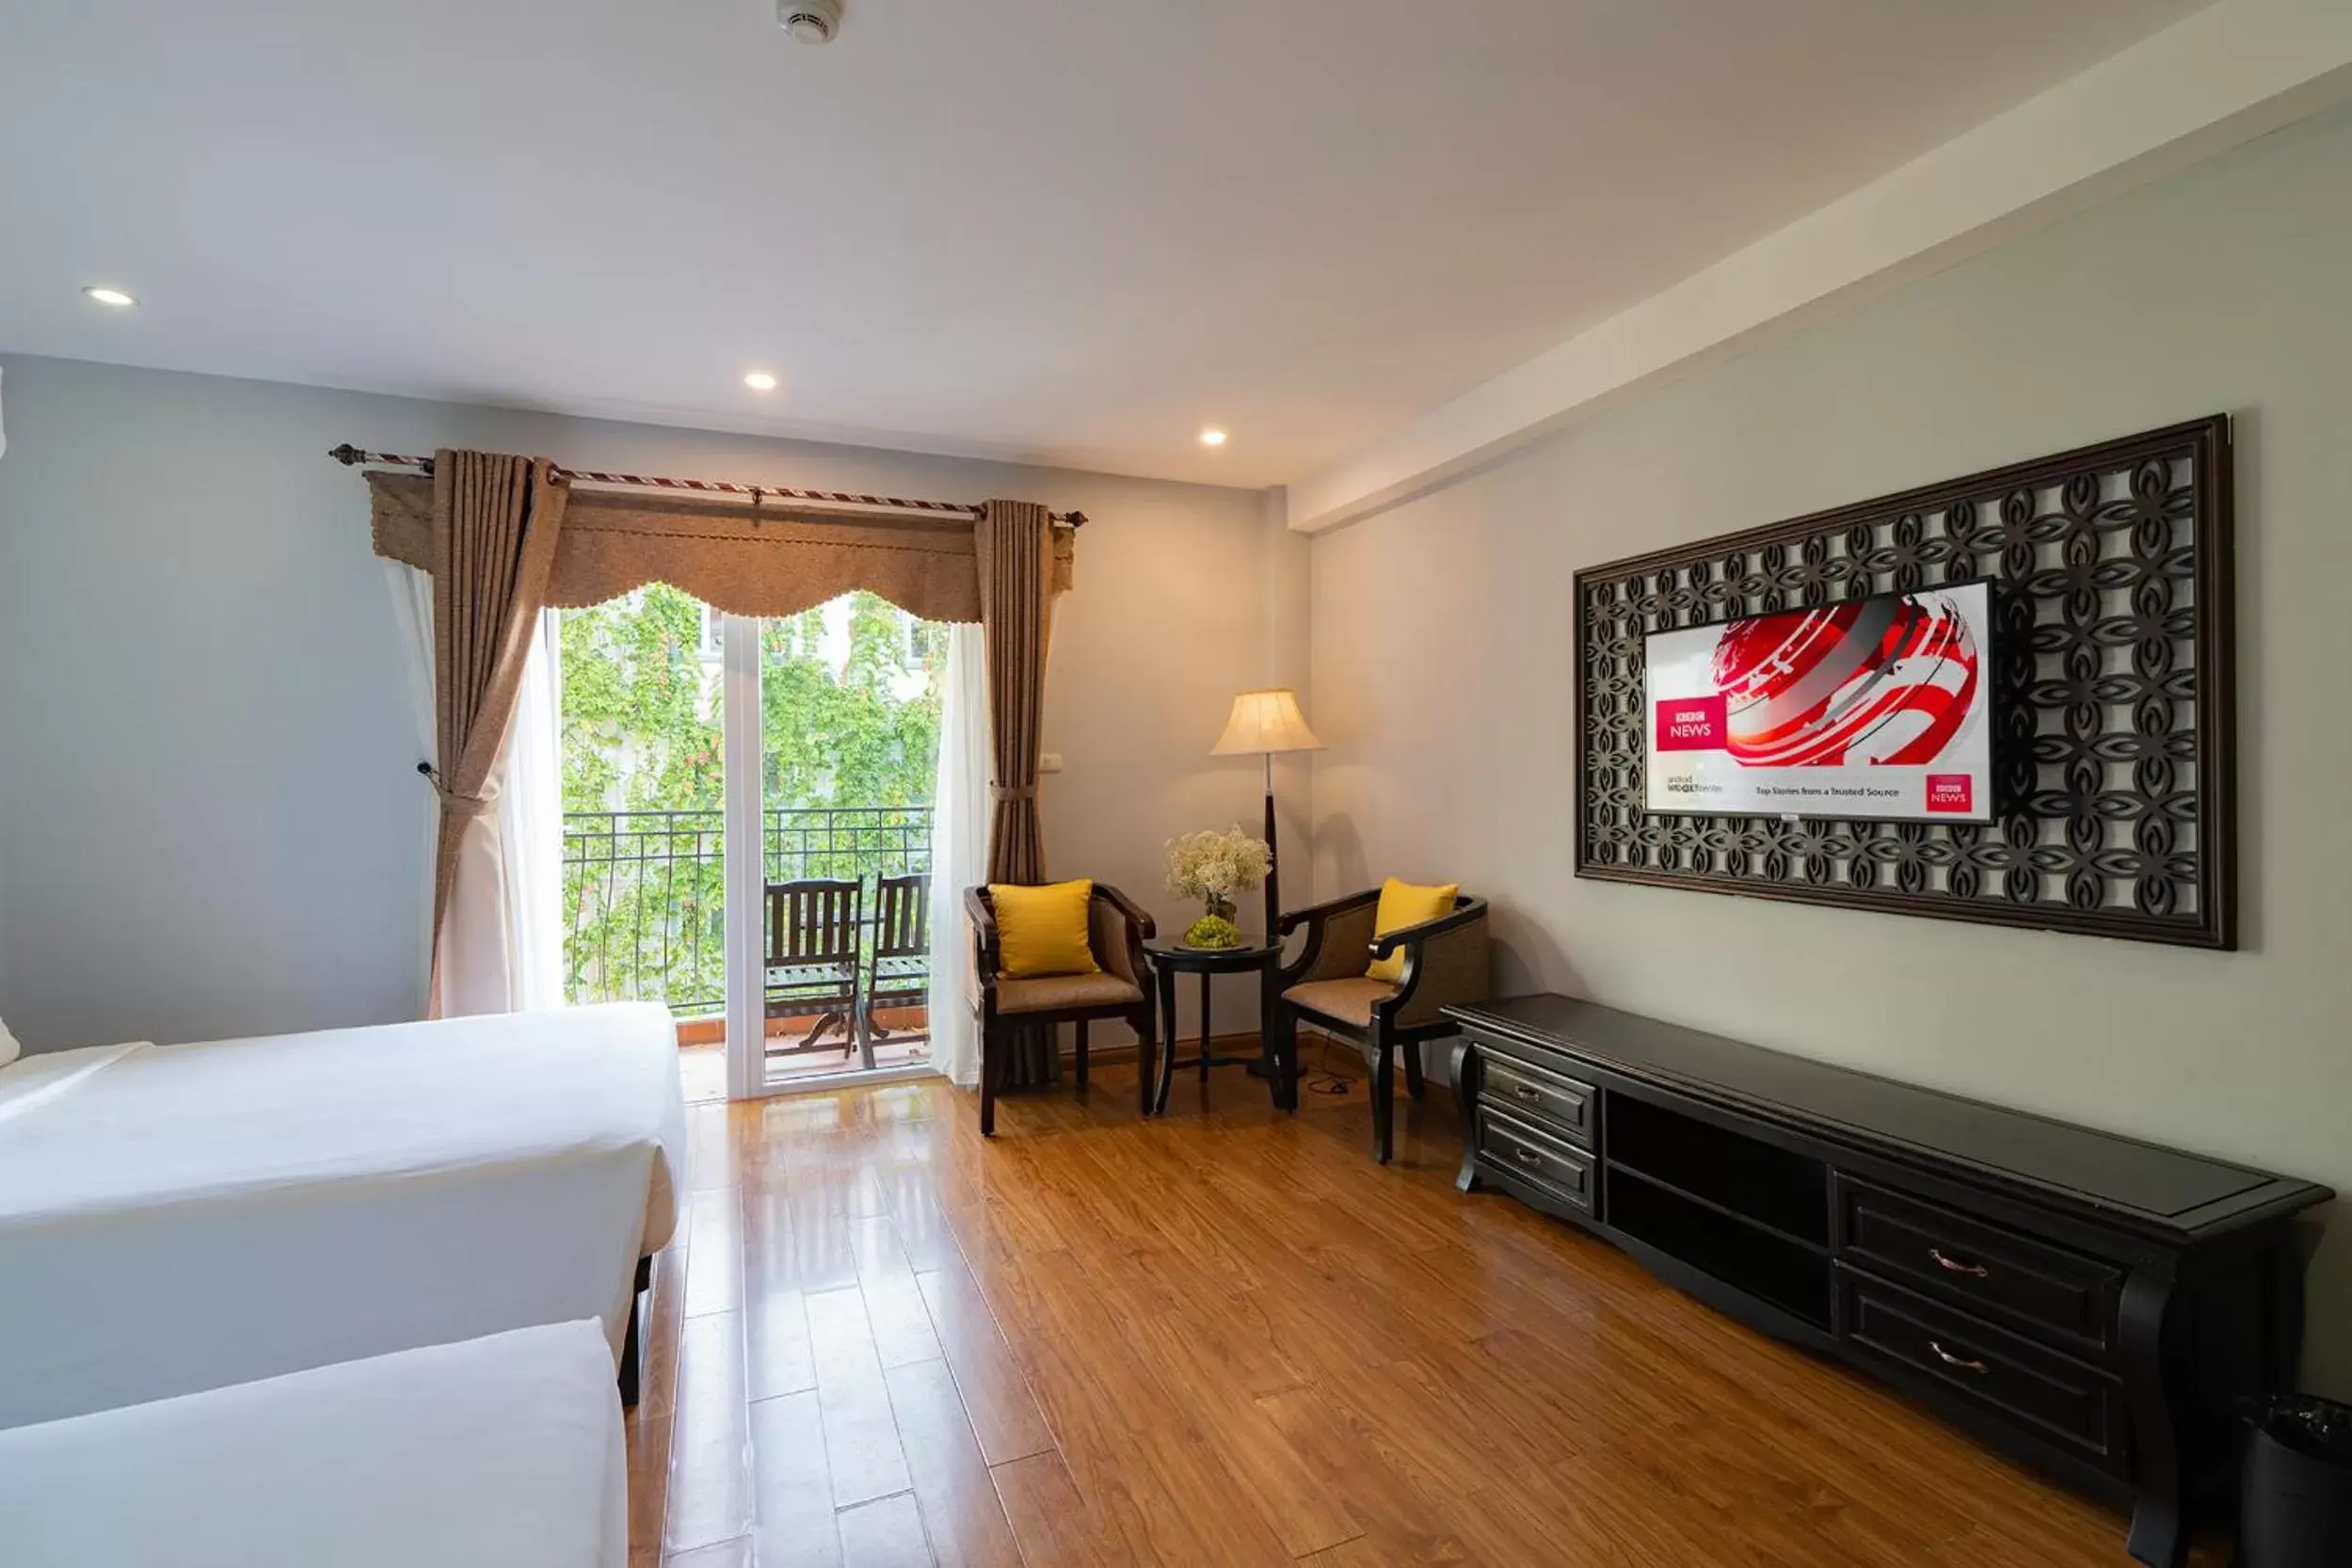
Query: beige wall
[[209, 818], [1442, 659]]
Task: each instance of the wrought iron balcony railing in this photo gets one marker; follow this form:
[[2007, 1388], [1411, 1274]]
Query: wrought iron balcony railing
[[643, 892]]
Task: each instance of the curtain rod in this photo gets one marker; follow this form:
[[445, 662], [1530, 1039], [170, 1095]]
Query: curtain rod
[[350, 456]]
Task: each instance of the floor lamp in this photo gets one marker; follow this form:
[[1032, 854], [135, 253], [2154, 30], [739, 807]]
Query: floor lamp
[[1265, 723]]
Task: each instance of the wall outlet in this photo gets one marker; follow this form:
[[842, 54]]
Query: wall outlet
[[1050, 763]]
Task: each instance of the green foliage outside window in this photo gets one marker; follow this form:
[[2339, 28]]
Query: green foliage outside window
[[635, 697], [851, 739]]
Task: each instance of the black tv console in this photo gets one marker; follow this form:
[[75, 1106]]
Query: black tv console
[[2090, 1304]]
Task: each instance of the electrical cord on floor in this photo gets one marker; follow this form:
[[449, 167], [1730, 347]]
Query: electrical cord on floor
[[1325, 1080]]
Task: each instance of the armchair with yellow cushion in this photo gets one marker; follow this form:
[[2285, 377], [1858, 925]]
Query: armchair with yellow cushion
[[1377, 968], [1065, 953]]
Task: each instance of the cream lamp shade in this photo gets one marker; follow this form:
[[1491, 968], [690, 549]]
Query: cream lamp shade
[[1265, 722]]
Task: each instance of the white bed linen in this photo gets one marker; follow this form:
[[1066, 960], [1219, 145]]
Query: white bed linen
[[185, 1217], [501, 1452]]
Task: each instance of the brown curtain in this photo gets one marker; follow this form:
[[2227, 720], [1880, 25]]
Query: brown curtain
[[495, 524], [1012, 545], [762, 560]]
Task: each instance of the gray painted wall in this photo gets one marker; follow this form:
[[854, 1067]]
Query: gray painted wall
[[210, 822], [1442, 659]]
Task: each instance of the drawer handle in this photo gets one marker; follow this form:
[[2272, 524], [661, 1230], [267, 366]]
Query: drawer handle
[[1529, 1158], [1960, 1361], [1528, 1091], [1955, 1266]]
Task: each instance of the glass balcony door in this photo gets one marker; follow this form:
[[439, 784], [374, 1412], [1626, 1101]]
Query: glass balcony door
[[640, 735], [831, 748]]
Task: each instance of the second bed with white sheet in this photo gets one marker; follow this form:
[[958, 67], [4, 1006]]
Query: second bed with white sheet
[[185, 1217], [501, 1452]]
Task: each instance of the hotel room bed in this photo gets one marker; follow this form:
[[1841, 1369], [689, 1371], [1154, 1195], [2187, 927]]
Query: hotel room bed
[[187, 1217], [500, 1453]]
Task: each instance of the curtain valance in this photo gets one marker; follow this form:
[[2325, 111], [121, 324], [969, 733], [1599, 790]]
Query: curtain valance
[[769, 560]]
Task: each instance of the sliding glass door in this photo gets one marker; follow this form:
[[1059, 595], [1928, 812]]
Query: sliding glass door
[[832, 723], [642, 781], [747, 830]]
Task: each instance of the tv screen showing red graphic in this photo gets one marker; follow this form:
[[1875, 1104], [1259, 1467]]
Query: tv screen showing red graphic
[[1873, 708]]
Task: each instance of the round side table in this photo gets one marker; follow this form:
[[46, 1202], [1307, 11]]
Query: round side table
[[1168, 958]]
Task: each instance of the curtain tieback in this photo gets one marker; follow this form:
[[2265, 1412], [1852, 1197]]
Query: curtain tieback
[[1013, 792], [453, 804], [467, 807]]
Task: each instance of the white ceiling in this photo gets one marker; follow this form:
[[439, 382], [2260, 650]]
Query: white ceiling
[[1064, 231]]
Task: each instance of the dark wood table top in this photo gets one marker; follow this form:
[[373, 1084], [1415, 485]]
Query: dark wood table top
[[1173, 954]]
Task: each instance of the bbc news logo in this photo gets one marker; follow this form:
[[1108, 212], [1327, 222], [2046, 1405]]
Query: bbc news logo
[[1951, 791], [1691, 723]]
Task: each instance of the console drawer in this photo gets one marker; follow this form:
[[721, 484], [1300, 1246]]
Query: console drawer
[[2009, 1378], [1557, 1105], [1516, 1149], [1982, 1266]]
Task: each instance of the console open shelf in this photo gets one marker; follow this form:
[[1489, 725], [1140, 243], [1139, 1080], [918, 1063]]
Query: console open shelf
[[1782, 1191], [1746, 1256]]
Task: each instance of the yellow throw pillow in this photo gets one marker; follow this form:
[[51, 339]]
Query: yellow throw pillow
[[1402, 904], [1042, 930]]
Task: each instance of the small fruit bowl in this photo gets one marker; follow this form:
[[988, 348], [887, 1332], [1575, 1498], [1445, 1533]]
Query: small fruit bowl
[[1212, 931]]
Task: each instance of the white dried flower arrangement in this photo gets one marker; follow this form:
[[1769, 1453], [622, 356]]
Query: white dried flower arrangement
[[1208, 865]]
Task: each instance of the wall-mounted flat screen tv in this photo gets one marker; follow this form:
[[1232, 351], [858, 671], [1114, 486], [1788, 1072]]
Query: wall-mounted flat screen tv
[[1873, 708]]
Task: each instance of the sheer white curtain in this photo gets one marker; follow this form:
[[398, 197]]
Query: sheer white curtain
[[506, 948], [413, 617], [531, 830], [959, 851]]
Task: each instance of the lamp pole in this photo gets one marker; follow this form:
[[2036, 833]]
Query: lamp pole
[[1265, 722], [1273, 859], [1264, 1067]]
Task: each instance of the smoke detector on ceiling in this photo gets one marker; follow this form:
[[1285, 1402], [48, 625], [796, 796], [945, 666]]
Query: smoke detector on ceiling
[[809, 20]]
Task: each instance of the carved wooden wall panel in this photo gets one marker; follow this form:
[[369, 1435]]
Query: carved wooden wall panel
[[2114, 744]]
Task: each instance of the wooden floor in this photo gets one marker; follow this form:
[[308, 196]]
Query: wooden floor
[[1227, 1337]]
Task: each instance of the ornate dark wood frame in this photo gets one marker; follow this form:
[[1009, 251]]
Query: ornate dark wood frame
[[2114, 744]]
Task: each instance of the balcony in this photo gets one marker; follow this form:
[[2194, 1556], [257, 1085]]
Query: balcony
[[643, 919]]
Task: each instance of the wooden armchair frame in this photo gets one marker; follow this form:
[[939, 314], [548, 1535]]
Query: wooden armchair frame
[[1117, 928], [1444, 962]]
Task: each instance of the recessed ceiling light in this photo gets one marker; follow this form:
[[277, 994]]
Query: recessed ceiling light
[[1212, 438], [759, 380], [105, 295]]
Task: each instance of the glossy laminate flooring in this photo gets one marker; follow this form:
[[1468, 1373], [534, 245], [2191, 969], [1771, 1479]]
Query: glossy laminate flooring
[[1227, 1337]]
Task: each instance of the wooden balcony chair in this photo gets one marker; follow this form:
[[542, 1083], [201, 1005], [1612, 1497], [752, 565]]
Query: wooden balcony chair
[[1444, 962], [898, 971], [814, 929], [1117, 931]]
